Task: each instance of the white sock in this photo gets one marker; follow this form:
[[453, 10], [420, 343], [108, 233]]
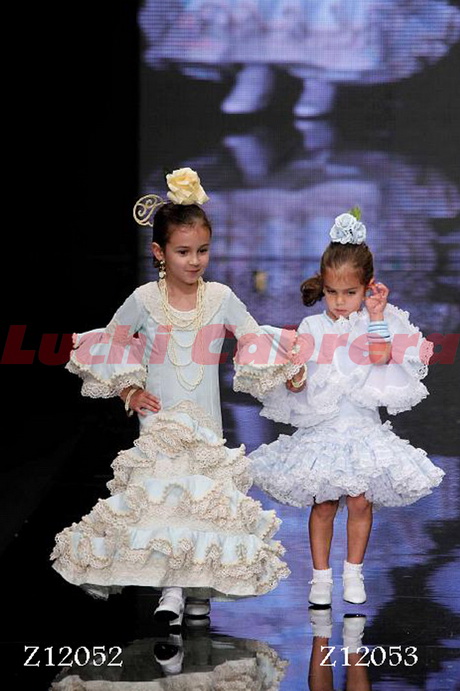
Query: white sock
[[352, 568], [177, 592], [322, 574]]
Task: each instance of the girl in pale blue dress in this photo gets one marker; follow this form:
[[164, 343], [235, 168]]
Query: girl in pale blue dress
[[179, 518], [360, 353]]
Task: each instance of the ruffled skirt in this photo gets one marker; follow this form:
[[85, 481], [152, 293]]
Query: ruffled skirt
[[346, 458], [178, 516]]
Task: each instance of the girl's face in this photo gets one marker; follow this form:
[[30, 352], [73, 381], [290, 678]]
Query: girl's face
[[343, 291], [186, 254]]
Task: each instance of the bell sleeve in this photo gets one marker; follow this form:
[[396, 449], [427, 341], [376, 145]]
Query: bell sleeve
[[282, 405], [397, 385], [266, 356], [111, 359]]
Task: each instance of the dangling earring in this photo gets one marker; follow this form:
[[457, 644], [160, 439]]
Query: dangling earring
[[162, 269]]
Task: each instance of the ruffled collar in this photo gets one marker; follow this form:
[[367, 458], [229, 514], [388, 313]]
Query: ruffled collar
[[347, 323]]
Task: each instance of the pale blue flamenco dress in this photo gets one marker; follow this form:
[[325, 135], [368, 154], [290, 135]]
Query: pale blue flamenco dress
[[340, 447], [178, 514]]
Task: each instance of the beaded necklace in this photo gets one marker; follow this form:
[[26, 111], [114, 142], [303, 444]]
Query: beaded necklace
[[193, 323]]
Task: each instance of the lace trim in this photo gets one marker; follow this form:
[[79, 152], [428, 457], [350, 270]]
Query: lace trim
[[194, 411], [161, 563], [175, 439], [258, 382], [200, 461], [96, 386], [355, 459], [216, 507], [213, 298]]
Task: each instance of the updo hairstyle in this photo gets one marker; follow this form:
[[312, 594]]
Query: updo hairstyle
[[335, 256]]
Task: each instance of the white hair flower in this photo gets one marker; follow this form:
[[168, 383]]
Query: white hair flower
[[185, 187], [348, 229]]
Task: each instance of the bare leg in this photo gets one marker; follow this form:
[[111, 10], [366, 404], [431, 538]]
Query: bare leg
[[321, 528], [359, 526]]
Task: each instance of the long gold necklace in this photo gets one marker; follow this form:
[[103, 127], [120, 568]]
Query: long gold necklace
[[193, 323]]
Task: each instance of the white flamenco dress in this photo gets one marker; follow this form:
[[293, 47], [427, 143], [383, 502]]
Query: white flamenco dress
[[179, 514], [341, 446]]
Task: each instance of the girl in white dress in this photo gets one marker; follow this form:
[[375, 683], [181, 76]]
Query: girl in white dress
[[179, 518], [360, 353]]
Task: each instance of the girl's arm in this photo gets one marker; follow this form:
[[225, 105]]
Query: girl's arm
[[298, 381], [110, 360], [379, 336], [138, 400], [266, 355]]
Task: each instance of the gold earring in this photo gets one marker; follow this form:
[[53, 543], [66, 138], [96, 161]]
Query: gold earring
[[162, 269]]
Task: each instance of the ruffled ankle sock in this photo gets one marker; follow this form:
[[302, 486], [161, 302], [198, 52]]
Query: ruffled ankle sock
[[353, 583], [321, 587]]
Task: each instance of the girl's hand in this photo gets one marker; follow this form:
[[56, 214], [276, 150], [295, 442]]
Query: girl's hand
[[141, 401], [296, 378], [377, 300]]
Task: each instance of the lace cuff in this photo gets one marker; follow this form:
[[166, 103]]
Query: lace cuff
[[266, 360], [105, 364]]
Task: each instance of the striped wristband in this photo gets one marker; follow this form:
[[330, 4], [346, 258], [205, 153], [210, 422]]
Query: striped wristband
[[379, 330]]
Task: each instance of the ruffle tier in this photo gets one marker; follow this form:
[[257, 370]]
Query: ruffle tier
[[329, 462], [176, 518], [190, 439]]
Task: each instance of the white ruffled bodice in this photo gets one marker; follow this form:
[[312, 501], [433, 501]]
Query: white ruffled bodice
[[341, 381]]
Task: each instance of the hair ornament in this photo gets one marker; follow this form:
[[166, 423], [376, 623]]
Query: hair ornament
[[144, 208], [184, 188], [348, 228]]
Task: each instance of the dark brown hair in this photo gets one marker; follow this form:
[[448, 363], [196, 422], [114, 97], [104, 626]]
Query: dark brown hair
[[169, 215], [334, 256]]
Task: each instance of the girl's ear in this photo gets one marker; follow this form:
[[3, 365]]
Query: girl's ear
[[157, 251], [369, 292]]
